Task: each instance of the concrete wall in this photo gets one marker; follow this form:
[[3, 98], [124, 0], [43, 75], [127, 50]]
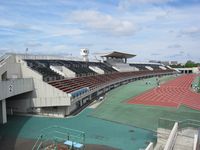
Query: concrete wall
[[149, 68], [96, 69], [58, 69], [46, 95], [27, 72], [54, 111], [68, 73], [122, 67], [162, 67], [12, 67], [71, 108], [20, 103], [14, 87]]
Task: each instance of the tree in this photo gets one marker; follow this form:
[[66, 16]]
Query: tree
[[190, 64]]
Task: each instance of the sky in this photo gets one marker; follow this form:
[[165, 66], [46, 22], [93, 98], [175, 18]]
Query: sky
[[164, 30]]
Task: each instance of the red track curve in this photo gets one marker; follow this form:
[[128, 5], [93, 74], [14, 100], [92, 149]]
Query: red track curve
[[171, 94]]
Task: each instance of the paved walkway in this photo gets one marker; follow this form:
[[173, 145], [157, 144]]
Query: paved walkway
[[97, 131]]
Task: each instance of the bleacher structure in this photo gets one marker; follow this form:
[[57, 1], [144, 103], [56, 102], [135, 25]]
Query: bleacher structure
[[62, 86]]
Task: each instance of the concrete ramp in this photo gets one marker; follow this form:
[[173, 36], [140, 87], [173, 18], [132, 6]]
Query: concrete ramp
[[14, 87]]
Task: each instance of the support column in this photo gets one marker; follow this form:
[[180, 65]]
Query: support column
[[3, 115]]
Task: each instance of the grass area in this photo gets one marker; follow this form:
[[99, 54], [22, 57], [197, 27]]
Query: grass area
[[97, 131], [116, 109]]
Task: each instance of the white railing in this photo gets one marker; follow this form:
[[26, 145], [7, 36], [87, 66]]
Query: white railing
[[3, 59], [172, 138], [150, 146]]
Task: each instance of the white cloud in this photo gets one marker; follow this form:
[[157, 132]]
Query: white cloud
[[60, 48], [65, 31], [48, 48], [103, 22], [48, 30], [191, 31], [175, 46], [5, 22], [124, 4], [150, 24], [146, 1], [33, 44]]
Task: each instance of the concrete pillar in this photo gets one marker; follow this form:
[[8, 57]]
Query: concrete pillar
[[81, 102], [90, 97], [3, 115]]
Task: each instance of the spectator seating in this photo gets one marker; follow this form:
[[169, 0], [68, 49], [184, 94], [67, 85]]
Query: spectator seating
[[71, 85], [144, 66], [86, 78], [79, 67], [43, 68]]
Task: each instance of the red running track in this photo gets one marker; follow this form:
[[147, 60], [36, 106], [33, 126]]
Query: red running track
[[171, 94]]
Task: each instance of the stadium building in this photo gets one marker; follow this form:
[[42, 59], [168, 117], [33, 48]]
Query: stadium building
[[58, 87]]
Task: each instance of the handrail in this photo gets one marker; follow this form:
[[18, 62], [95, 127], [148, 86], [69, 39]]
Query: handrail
[[58, 132], [182, 124], [39, 138], [60, 127], [3, 58]]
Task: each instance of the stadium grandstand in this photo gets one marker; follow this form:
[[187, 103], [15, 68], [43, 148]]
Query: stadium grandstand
[[62, 87]]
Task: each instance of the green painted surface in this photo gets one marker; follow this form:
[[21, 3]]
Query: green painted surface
[[196, 83], [116, 109], [97, 131], [114, 123]]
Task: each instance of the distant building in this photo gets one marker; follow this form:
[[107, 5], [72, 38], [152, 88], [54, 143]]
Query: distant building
[[174, 63], [154, 61], [165, 63]]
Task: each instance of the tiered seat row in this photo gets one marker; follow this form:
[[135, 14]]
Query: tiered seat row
[[43, 68], [139, 66], [70, 85], [79, 67], [105, 67], [143, 66]]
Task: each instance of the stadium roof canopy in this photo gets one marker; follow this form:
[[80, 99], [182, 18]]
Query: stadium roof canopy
[[116, 54]]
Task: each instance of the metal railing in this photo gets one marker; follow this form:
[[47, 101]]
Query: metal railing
[[56, 134], [168, 124]]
